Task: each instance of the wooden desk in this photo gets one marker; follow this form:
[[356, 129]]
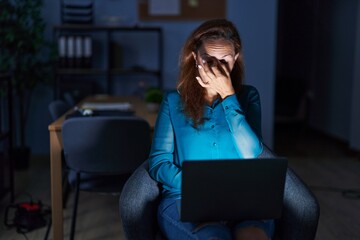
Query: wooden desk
[[56, 147]]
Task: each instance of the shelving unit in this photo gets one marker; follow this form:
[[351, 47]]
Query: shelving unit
[[107, 71], [6, 163]]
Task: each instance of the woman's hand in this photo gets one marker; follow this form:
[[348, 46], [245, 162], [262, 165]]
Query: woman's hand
[[215, 75]]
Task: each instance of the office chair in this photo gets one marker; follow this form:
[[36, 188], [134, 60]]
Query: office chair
[[57, 108], [102, 152], [69, 98], [141, 194]]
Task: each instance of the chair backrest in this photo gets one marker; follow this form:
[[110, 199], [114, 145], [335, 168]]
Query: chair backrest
[[105, 145], [69, 98], [57, 108]]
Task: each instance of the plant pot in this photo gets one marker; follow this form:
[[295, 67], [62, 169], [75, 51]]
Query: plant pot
[[152, 107], [21, 158]]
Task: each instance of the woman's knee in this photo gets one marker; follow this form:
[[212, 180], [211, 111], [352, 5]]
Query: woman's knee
[[254, 229], [170, 224], [213, 231]]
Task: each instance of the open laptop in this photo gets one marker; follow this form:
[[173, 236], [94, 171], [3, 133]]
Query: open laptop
[[244, 189]]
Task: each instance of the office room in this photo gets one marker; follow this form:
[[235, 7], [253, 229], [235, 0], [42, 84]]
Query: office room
[[301, 56]]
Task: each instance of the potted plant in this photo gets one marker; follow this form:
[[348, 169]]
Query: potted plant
[[153, 98], [22, 54]]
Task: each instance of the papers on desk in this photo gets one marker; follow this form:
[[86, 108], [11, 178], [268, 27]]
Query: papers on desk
[[120, 106]]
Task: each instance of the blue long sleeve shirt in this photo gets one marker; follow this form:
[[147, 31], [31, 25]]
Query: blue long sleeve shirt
[[225, 134]]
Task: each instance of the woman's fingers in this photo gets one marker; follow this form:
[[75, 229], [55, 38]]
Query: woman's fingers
[[215, 75], [205, 73], [221, 68], [219, 71], [214, 70], [226, 69], [201, 82]]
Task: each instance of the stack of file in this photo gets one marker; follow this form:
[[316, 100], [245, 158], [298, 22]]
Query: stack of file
[[77, 11]]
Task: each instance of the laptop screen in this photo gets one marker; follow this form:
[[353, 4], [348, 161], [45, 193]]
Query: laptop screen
[[242, 189]]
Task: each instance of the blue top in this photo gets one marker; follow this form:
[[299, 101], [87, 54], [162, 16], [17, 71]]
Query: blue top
[[225, 134]]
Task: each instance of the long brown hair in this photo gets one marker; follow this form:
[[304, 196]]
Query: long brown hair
[[192, 94]]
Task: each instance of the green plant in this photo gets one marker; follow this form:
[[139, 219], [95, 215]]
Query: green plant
[[153, 95], [23, 51]]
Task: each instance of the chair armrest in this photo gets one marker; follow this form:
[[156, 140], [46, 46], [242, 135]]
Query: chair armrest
[[301, 210], [266, 152], [138, 205]]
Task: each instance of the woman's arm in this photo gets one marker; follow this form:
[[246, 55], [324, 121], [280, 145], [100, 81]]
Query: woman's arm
[[247, 142], [250, 103], [161, 160]]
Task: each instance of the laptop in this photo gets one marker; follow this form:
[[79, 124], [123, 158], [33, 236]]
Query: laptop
[[232, 190]]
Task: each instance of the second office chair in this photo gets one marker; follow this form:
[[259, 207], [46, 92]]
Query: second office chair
[[101, 153]]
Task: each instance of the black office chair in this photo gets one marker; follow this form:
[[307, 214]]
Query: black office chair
[[57, 108], [69, 99], [102, 152]]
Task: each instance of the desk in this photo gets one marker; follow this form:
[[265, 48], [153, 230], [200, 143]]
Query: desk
[[56, 147]]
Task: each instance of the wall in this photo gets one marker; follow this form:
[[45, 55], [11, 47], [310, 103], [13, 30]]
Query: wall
[[355, 102], [334, 74], [255, 19], [257, 25], [318, 45], [293, 65]]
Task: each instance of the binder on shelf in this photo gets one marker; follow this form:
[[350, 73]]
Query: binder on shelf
[[70, 53], [79, 52], [62, 51], [87, 43]]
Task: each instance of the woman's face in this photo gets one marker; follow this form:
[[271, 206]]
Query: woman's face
[[220, 49]]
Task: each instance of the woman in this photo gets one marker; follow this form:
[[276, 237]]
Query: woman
[[207, 118]]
